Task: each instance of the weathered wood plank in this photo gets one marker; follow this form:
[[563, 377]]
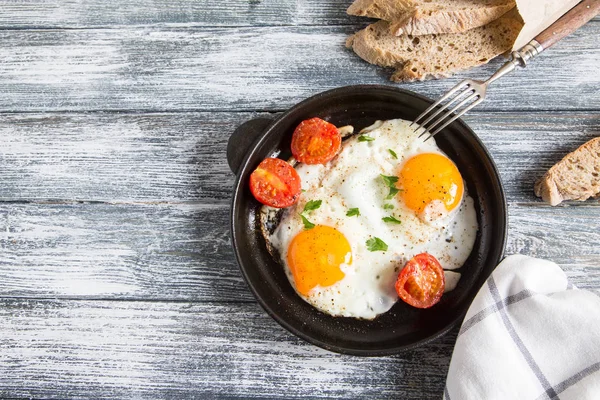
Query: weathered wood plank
[[160, 231], [98, 13], [525, 146], [116, 157], [181, 156], [568, 236], [78, 349], [182, 252], [264, 68], [118, 251]]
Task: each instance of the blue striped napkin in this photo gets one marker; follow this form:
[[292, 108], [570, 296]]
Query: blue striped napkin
[[529, 334]]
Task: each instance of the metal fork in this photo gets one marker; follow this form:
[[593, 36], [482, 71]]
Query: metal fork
[[472, 92]]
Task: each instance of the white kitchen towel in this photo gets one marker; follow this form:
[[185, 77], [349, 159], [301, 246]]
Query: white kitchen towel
[[529, 334]]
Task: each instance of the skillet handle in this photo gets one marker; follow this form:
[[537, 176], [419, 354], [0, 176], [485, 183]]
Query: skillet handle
[[242, 139]]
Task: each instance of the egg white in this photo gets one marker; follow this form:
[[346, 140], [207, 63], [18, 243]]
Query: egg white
[[352, 180]]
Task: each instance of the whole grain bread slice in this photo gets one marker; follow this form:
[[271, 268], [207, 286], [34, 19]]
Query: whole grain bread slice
[[575, 177], [421, 17], [434, 56]]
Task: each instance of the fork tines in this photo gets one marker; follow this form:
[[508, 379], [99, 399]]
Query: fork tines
[[468, 90]]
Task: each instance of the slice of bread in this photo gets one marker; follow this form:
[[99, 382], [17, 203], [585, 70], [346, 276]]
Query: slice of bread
[[422, 17], [387, 10], [434, 56], [426, 20], [575, 177]]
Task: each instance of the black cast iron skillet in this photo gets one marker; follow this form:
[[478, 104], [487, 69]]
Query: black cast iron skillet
[[403, 327]]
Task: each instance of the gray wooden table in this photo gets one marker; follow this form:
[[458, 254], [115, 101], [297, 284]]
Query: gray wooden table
[[116, 274]]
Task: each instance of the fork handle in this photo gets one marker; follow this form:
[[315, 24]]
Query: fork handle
[[569, 23]]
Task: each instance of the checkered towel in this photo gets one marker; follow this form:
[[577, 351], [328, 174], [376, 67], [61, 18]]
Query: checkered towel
[[528, 335]]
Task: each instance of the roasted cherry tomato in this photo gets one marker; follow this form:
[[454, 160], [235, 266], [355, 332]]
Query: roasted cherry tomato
[[275, 183], [421, 282], [315, 141]]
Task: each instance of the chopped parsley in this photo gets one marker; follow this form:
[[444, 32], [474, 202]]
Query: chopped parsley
[[393, 191], [393, 153], [365, 138], [352, 212], [390, 181], [312, 205], [307, 223], [388, 206], [391, 219], [376, 244]]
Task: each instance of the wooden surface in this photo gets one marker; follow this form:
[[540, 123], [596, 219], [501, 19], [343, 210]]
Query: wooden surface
[[118, 278]]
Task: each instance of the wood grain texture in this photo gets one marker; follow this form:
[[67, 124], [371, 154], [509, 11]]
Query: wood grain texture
[[118, 280], [170, 252], [264, 68], [100, 349], [116, 157], [98, 13], [182, 252], [179, 157]]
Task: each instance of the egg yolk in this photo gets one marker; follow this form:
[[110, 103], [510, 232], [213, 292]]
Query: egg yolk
[[428, 177], [315, 255]]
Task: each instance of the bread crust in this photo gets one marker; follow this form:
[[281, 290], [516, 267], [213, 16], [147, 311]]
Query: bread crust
[[425, 21], [387, 10], [434, 56], [419, 17], [575, 177]]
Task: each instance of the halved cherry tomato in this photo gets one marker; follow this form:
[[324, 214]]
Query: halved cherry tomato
[[275, 183], [421, 282], [315, 141]]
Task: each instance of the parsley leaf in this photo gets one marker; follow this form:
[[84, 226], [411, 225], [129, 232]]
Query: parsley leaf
[[365, 138], [389, 180], [393, 191], [393, 153], [352, 212], [307, 223], [388, 206], [312, 205], [391, 219], [376, 244]]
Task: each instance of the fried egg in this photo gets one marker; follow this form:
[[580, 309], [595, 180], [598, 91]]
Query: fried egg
[[343, 257]]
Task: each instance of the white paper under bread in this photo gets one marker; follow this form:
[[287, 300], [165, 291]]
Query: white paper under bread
[[538, 15]]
